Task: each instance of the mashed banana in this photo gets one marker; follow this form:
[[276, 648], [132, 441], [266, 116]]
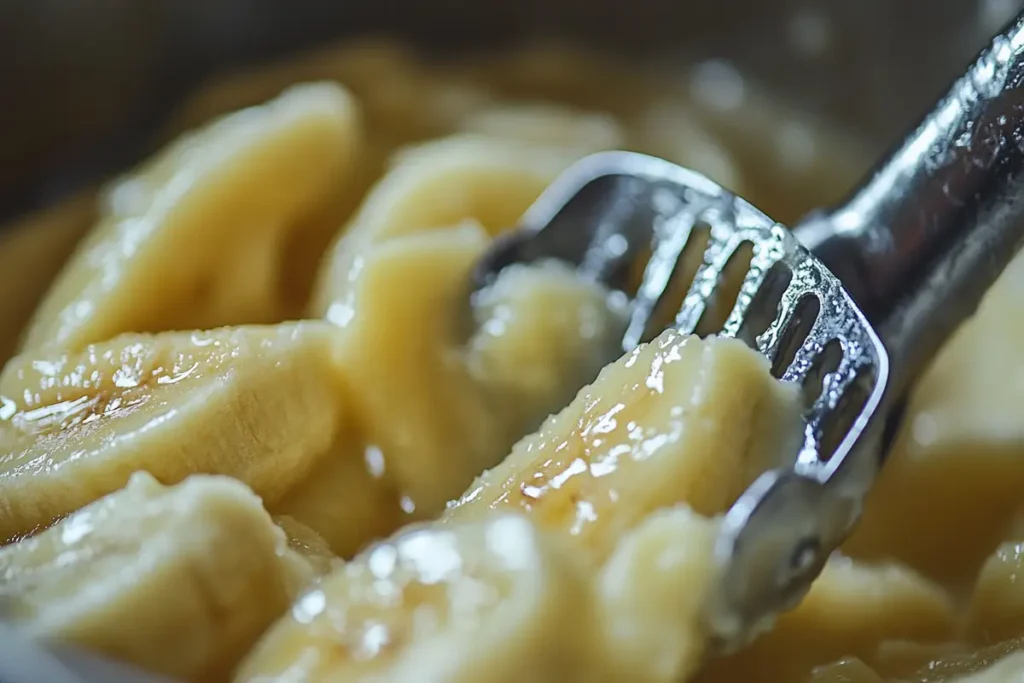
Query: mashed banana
[[195, 480]]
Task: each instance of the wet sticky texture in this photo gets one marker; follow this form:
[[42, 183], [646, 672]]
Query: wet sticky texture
[[256, 403], [678, 420]]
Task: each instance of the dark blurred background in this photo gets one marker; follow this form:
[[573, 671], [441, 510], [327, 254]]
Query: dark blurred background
[[83, 83]]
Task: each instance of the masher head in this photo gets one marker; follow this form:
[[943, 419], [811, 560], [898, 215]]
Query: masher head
[[618, 214]]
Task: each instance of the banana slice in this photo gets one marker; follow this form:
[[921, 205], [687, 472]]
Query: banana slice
[[477, 602], [953, 481], [198, 236], [851, 608], [439, 184], [680, 420], [260, 404], [435, 408], [996, 610], [650, 595], [178, 580]]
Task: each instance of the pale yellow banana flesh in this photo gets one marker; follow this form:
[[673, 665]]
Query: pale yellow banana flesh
[[440, 184], [436, 409], [680, 420], [877, 603], [260, 404], [196, 237], [498, 601], [650, 597], [178, 580], [440, 390], [644, 572], [996, 609]]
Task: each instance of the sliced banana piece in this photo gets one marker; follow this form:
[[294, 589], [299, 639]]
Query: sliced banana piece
[[434, 406], [953, 480], [493, 601], [851, 608], [198, 236], [441, 389], [996, 610], [438, 184], [650, 596], [680, 420], [260, 404], [178, 580]]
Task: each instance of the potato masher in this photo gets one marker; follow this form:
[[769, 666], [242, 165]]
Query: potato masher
[[894, 270]]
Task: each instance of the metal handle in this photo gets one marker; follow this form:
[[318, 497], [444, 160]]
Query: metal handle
[[935, 224]]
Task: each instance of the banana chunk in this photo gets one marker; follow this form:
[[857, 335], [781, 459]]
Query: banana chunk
[[198, 236], [435, 409], [679, 420], [996, 609], [477, 602], [851, 608], [650, 596], [260, 404], [498, 601], [439, 184], [950, 487], [178, 580], [442, 388]]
